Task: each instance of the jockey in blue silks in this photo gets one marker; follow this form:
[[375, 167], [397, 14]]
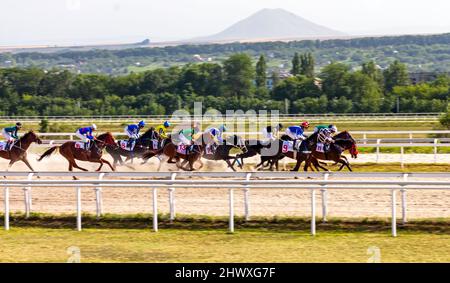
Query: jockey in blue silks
[[132, 131], [217, 133], [85, 134], [297, 133]]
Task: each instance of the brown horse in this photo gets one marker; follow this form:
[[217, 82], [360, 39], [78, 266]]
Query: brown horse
[[71, 153], [342, 141], [18, 151], [169, 152]]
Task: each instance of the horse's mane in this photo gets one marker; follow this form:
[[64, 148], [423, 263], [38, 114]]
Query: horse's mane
[[148, 132], [27, 134], [105, 134]]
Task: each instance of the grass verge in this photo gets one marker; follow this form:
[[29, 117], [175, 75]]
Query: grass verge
[[205, 239]]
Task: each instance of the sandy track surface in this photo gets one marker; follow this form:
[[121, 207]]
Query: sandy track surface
[[263, 202]]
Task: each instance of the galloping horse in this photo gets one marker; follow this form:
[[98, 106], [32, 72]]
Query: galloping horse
[[276, 151], [19, 149], [170, 152], [72, 153], [222, 151], [143, 145], [343, 141]]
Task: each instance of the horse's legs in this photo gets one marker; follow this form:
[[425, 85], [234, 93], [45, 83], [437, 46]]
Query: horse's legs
[[344, 163], [25, 160], [101, 164], [317, 165], [201, 163], [75, 165], [102, 161], [11, 164], [230, 165]]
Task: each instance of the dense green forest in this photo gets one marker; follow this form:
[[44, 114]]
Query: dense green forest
[[238, 83], [418, 52]]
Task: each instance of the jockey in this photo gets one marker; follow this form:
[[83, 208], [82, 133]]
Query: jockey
[[132, 131], [332, 128], [297, 133], [11, 134], [217, 133], [270, 133], [163, 129], [186, 135], [85, 134], [325, 137]]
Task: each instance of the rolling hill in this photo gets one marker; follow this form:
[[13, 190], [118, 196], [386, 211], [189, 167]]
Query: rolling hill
[[269, 24]]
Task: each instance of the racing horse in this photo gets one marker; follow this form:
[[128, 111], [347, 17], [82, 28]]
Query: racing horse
[[342, 142], [142, 145], [18, 150], [71, 152], [222, 151], [277, 150], [170, 152]]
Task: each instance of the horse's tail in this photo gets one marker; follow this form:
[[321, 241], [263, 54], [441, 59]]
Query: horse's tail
[[48, 153]]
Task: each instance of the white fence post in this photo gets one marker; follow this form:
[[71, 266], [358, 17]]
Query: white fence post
[[313, 212], [27, 197], [401, 157], [231, 208], [324, 199], [404, 205], [78, 209], [435, 150], [365, 138], [394, 213], [172, 199], [155, 210], [6, 200], [98, 197], [378, 150], [246, 198]]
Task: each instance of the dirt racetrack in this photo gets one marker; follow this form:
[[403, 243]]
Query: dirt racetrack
[[263, 202]]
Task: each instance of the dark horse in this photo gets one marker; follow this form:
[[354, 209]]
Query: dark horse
[[342, 142], [271, 152], [170, 152], [72, 153], [19, 149], [143, 145], [222, 151]]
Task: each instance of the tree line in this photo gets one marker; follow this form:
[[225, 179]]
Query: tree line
[[419, 52], [236, 84]]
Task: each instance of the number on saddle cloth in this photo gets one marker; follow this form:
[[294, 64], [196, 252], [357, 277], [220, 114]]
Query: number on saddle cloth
[[287, 146], [155, 144], [3, 145], [181, 149], [124, 145], [320, 147]]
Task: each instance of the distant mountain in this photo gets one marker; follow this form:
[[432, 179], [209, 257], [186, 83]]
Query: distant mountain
[[272, 24]]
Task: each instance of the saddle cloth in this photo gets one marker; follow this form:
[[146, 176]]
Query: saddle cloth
[[2, 145], [210, 149], [181, 149], [79, 145], [156, 144], [288, 146], [320, 147], [124, 145]]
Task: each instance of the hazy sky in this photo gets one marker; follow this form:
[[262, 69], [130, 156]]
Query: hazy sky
[[100, 21]]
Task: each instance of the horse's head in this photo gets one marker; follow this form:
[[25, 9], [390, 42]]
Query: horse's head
[[107, 139], [346, 140], [32, 137]]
